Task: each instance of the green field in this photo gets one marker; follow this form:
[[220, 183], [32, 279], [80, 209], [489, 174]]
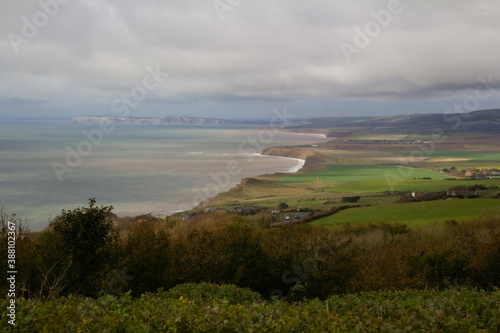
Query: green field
[[369, 179], [416, 214], [378, 178], [407, 185], [359, 173]]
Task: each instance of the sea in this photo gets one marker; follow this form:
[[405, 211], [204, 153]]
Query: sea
[[48, 166]]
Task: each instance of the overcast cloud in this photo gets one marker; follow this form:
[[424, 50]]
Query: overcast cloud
[[242, 58]]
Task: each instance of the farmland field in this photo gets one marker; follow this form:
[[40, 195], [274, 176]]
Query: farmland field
[[416, 214], [407, 185], [471, 156], [359, 173], [369, 179]]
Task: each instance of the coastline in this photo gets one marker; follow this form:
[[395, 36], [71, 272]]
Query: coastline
[[303, 154], [297, 168]]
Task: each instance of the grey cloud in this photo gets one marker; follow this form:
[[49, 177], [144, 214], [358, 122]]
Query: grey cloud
[[264, 52]]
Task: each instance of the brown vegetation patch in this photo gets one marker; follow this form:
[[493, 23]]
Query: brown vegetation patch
[[314, 160], [289, 152], [437, 160]]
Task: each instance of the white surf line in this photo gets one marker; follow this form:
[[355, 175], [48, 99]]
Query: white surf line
[[293, 169]]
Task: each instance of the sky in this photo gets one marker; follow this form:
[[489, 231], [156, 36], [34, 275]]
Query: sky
[[240, 59]]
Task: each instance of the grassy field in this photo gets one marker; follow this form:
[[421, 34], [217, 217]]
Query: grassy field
[[369, 179], [407, 185], [415, 214], [359, 173]]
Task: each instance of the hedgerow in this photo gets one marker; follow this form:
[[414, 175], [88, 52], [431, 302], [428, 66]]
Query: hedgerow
[[211, 308]]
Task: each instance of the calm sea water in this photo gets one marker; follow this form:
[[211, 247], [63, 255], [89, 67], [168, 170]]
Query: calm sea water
[[137, 169]]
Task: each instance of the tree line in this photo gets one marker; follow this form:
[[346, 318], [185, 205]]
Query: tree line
[[83, 253]]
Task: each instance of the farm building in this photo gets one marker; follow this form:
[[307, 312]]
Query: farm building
[[465, 194], [408, 198]]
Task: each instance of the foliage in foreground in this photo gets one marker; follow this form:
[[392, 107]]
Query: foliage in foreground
[[210, 308]]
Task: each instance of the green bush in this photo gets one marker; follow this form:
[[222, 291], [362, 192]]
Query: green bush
[[395, 228], [88, 241], [283, 205], [203, 293], [441, 268], [207, 308], [146, 261], [351, 199]]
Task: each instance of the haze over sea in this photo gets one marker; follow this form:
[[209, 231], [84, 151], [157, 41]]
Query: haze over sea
[[137, 169]]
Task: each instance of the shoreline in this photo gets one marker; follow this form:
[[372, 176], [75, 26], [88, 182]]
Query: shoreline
[[297, 168], [300, 164], [289, 152]]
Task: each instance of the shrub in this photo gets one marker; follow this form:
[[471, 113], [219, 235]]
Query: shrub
[[87, 239], [462, 310], [282, 206], [146, 261], [203, 293], [440, 268], [351, 199], [326, 276], [395, 228], [451, 222]]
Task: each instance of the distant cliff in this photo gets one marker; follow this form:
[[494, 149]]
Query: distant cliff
[[483, 121], [169, 120]]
